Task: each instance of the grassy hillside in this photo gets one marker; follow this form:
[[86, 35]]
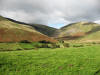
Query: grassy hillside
[[13, 32], [49, 31], [82, 30], [44, 29], [64, 61]]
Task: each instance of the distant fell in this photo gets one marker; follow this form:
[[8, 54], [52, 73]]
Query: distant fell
[[80, 31], [14, 31], [44, 29]]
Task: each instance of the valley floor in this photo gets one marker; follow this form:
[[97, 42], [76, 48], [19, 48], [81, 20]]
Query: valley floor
[[62, 61]]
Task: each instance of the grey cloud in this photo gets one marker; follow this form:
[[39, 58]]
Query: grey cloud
[[50, 11]]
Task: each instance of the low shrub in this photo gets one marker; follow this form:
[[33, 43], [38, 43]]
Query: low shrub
[[94, 43], [66, 45], [78, 45], [25, 41], [44, 41], [61, 41]]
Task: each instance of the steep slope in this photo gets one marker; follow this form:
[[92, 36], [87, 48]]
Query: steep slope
[[13, 32], [44, 29], [80, 30], [49, 31]]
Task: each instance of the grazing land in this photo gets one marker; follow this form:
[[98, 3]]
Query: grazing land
[[45, 61], [35, 49]]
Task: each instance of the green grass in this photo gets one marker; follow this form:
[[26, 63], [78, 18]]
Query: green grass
[[62, 61], [17, 46]]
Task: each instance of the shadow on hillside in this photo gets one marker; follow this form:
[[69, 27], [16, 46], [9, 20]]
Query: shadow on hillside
[[93, 30]]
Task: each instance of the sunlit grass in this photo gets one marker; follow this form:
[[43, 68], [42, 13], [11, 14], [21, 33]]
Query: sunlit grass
[[62, 61]]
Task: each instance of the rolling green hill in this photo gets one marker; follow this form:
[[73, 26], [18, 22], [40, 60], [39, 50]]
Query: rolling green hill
[[11, 31], [86, 31]]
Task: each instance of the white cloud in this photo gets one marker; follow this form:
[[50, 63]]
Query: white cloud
[[98, 21], [52, 12]]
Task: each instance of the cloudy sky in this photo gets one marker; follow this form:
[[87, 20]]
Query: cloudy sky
[[55, 13]]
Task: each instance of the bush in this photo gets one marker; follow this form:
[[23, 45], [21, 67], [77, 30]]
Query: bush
[[44, 41], [66, 45], [78, 45], [94, 43], [25, 41], [55, 46], [45, 46], [61, 41], [38, 46]]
